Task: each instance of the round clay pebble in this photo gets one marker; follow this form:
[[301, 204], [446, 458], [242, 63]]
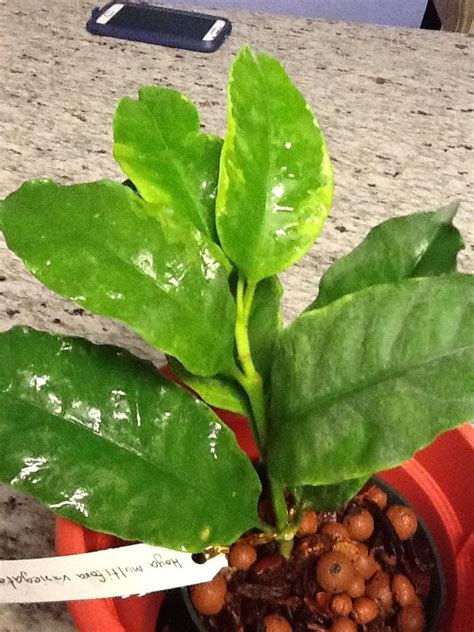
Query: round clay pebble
[[379, 589], [356, 587], [242, 555], [335, 530], [209, 598], [309, 524], [365, 610], [364, 562], [411, 619], [377, 496], [359, 525], [404, 521], [334, 571], [343, 625], [275, 623], [341, 605], [403, 590]]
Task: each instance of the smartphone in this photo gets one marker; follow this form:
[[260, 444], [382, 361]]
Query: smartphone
[[160, 25]]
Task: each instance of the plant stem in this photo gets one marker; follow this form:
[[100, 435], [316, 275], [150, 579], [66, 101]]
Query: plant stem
[[237, 374], [251, 381], [279, 504], [248, 377], [286, 547]]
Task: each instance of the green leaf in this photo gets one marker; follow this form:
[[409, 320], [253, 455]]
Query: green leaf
[[102, 246], [275, 181], [265, 323], [362, 384], [217, 391], [101, 438], [159, 146], [331, 497], [422, 244]]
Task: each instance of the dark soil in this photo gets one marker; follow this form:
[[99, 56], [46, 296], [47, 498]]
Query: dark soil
[[274, 585], [288, 588]]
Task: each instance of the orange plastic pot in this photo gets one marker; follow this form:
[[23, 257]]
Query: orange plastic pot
[[134, 614], [438, 483]]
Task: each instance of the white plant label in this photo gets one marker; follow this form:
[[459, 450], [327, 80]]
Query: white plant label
[[129, 570]]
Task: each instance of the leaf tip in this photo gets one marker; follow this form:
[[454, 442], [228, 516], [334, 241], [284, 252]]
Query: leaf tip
[[245, 50], [448, 213], [245, 55]]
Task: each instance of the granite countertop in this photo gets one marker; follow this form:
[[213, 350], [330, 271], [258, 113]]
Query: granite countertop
[[396, 106]]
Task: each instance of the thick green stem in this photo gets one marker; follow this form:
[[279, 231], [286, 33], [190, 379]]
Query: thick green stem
[[248, 377], [257, 426], [279, 505], [251, 381], [286, 548]]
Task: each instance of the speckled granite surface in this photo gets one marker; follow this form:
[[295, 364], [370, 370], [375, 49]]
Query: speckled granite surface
[[397, 107]]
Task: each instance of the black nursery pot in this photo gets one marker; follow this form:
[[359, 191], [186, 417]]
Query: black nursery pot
[[179, 615]]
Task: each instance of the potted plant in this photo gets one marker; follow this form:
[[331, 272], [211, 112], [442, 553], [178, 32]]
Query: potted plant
[[375, 368]]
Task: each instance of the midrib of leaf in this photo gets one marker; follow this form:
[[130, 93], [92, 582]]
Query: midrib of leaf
[[329, 296], [387, 244], [271, 135], [323, 403], [172, 297], [262, 219], [177, 167], [127, 450], [433, 236]]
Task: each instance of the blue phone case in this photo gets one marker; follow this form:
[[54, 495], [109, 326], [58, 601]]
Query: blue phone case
[[149, 36]]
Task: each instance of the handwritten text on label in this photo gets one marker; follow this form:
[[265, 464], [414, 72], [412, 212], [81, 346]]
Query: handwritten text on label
[[130, 570]]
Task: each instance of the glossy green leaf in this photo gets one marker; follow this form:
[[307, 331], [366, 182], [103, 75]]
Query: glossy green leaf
[[331, 497], [159, 146], [417, 245], [105, 248], [102, 438], [362, 384], [275, 181], [265, 323], [218, 391]]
